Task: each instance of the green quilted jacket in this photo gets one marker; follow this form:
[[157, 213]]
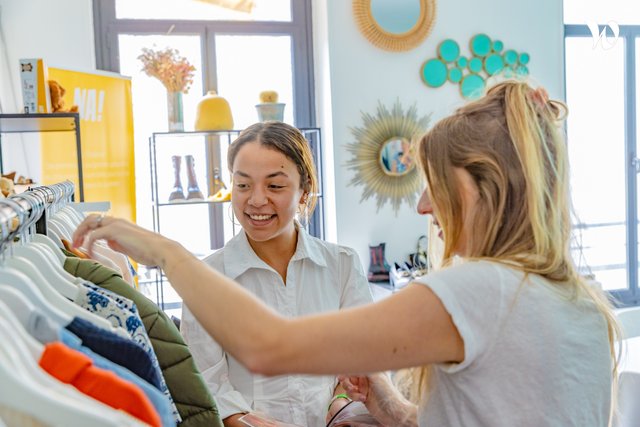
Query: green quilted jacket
[[188, 389]]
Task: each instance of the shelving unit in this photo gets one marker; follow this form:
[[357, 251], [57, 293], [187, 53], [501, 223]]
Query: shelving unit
[[36, 123], [209, 150]]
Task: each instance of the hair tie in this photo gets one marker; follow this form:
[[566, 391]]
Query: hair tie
[[540, 97]]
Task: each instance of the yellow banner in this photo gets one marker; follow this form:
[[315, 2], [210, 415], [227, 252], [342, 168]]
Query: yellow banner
[[106, 129]]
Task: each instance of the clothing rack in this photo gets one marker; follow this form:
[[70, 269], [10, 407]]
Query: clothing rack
[[24, 210]]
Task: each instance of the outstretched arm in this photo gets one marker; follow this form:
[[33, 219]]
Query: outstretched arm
[[411, 328]]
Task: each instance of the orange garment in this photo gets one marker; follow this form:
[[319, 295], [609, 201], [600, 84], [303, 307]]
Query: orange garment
[[72, 367], [75, 251]]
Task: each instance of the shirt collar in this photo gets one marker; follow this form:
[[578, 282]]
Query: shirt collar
[[239, 256]]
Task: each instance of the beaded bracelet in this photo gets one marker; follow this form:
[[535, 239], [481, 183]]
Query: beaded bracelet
[[336, 397]]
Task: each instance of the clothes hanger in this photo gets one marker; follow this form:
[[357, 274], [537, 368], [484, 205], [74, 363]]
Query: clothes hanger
[[21, 308], [39, 264], [52, 232], [48, 292], [74, 214], [60, 217], [37, 204], [30, 390], [22, 283], [46, 247], [54, 298], [33, 347]]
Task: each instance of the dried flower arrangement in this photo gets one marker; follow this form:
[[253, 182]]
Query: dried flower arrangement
[[174, 71]]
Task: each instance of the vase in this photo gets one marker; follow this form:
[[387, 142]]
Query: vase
[[174, 111], [270, 111], [213, 113]]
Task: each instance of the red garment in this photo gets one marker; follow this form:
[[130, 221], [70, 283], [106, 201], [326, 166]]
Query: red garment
[[72, 367]]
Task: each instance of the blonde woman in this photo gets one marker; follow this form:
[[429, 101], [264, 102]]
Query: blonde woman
[[509, 334]]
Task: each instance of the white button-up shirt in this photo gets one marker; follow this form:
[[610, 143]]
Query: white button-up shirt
[[321, 277]]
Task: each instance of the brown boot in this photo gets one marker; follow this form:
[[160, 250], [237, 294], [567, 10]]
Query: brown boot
[[177, 195], [193, 191]]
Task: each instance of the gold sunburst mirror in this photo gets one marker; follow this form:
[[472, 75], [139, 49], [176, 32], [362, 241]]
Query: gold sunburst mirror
[[395, 25], [383, 158]]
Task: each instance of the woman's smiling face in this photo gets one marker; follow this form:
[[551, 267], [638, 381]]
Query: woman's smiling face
[[266, 193]]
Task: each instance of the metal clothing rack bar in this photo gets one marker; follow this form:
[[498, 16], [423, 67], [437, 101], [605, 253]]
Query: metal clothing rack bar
[[41, 198]]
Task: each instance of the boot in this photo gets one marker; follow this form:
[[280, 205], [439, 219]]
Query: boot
[[177, 195], [219, 191], [193, 191], [378, 266]]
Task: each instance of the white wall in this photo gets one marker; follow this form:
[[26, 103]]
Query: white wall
[[360, 75], [59, 31]]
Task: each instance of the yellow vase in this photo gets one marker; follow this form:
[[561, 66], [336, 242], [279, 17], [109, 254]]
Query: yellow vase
[[213, 113]]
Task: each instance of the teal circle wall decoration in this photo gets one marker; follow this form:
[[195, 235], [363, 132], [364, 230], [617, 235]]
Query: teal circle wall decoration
[[487, 58], [510, 57], [480, 45], [434, 73], [472, 86], [522, 71], [455, 75], [448, 50], [475, 65], [493, 64]]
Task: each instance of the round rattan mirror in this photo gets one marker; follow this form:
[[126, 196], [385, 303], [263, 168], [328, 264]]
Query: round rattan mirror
[[395, 25]]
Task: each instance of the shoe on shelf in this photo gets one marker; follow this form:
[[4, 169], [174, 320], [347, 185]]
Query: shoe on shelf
[[194, 194], [223, 195], [399, 276], [217, 183], [193, 191], [177, 195], [378, 277], [378, 266]]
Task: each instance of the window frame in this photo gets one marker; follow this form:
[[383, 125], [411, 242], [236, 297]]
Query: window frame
[[629, 296], [107, 28]]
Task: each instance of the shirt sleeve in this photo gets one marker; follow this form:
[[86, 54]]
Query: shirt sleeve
[[355, 286], [474, 295], [212, 362]]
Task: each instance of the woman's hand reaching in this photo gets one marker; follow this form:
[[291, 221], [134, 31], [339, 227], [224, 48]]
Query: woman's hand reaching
[[144, 246]]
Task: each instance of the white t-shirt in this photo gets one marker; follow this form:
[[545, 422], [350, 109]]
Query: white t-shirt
[[533, 357], [321, 277]]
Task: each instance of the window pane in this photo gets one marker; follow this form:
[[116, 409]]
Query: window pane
[[637, 76], [264, 64], [602, 12], [150, 112], [264, 10], [595, 130]]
